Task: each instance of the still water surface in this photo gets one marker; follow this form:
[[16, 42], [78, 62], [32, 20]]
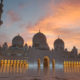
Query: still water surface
[[32, 72]]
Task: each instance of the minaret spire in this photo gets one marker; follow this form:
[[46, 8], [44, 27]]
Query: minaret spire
[[58, 36], [39, 30], [1, 1], [1, 11]]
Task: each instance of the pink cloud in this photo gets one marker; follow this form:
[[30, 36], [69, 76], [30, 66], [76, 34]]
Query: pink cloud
[[14, 17]]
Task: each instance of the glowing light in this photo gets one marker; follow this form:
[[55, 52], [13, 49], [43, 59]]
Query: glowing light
[[13, 65], [71, 66]]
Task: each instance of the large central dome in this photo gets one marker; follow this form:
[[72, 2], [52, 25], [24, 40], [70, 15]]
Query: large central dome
[[17, 41], [39, 37], [40, 41]]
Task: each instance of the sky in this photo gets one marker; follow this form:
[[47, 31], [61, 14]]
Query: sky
[[54, 18]]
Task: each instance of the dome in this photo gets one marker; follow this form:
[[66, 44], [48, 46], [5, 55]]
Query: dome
[[17, 41], [59, 41], [39, 37], [5, 46], [40, 41], [74, 50], [59, 44]]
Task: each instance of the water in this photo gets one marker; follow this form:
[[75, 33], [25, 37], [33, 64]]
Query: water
[[34, 73]]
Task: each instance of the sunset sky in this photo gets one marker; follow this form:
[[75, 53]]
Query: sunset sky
[[53, 17]]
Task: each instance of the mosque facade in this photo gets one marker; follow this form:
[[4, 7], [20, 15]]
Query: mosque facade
[[38, 50]]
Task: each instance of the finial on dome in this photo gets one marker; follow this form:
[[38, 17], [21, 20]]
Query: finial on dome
[[39, 30], [18, 34], [58, 36]]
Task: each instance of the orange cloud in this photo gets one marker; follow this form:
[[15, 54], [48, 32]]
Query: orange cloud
[[64, 20]]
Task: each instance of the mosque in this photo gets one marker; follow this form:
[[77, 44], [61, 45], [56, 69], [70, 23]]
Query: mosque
[[38, 50]]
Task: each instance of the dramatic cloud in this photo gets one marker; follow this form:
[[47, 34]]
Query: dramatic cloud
[[64, 20], [72, 2], [12, 17]]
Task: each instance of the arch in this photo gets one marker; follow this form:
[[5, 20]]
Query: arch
[[46, 61]]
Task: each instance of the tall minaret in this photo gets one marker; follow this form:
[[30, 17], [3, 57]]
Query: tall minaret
[[1, 11]]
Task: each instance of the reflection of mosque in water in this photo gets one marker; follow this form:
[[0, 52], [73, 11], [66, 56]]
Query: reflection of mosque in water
[[39, 49]]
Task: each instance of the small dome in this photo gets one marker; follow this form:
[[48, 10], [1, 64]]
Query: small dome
[[17, 41], [40, 41], [74, 50], [59, 45], [5, 45]]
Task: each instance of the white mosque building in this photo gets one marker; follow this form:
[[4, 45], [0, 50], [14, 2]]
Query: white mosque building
[[38, 50]]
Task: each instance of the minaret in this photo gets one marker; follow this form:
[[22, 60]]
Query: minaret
[[1, 11]]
